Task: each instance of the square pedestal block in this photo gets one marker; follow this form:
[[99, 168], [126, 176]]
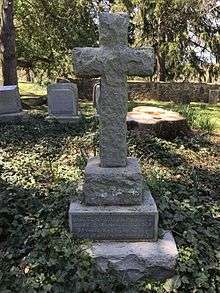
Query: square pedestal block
[[127, 223], [113, 186]]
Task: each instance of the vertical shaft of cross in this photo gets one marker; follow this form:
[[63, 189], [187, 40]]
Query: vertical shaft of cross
[[113, 33], [113, 128]]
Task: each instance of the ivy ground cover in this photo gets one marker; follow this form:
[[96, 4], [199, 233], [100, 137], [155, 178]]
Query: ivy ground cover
[[41, 171]]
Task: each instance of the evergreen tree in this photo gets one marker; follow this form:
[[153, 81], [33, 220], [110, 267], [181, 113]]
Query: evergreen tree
[[183, 33]]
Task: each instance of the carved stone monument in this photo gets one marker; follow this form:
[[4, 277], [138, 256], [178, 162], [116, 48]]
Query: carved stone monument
[[10, 104], [63, 103], [118, 209]]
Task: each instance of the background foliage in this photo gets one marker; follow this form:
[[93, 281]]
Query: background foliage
[[184, 33], [48, 30]]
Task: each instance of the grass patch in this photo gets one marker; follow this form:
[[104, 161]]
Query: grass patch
[[211, 111], [197, 118], [31, 89], [41, 168]]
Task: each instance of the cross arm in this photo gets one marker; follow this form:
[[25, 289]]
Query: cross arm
[[87, 62], [140, 62]]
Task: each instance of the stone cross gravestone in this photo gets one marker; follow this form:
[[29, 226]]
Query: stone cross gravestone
[[113, 61], [117, 207], [63, 103], [10, 104]]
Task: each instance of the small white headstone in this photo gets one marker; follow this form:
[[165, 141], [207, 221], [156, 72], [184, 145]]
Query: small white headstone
[[63, 102]]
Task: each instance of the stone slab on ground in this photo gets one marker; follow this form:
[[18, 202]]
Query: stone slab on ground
[[129, 223], [113, 186], [13, 117], [33, 101], [134, 261], [163, 123], [64, 119]]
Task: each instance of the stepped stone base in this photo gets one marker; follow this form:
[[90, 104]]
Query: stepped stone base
[[13, 117], [113, 186], [118, 223], [134, 261], [64, 119]]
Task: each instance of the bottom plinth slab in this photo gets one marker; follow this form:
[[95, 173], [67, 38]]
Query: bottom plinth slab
[[64, 119], [130, 262], [13, 117]]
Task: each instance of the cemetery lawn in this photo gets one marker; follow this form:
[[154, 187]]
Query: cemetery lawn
[[31, 89], [200, 113], [41, 171]]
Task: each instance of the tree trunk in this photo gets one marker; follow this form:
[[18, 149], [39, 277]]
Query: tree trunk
[[161, 68], [28, 74], [7, 48], [160, 55]]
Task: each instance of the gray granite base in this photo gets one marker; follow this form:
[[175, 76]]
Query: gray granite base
[[64, 119], [134, 261], [13, 117], [117, 223], [113, 186]]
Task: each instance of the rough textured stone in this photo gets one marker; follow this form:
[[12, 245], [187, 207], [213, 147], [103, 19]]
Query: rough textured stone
[[134, 261], [152, 90], [63, 102], [113, 186], [115, 222], [10, 102], [113, 61], [160, 122]]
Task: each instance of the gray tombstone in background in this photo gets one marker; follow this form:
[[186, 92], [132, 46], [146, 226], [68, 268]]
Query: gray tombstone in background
[[63, 103], [95, 98], [214, 96], [117, 208], [10, 104]]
